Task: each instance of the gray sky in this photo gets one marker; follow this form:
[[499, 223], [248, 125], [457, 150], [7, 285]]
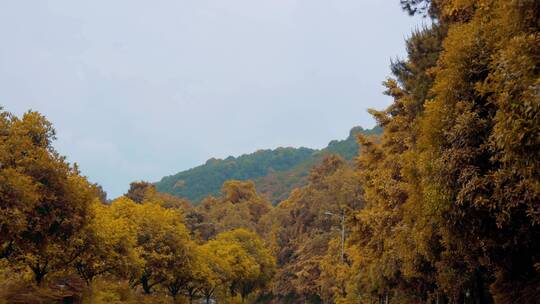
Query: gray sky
[[142, 89]]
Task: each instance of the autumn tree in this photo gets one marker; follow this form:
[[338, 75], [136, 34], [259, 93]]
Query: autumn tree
[[335, 274], [218, 269], [300, 228], [240, 206], [101, 194], [253, 266], [384, 235], [165, 200], [137, 190], [44, 200], [107, 244], [451, 186], [186, 273], [480, 141], [162, 241]]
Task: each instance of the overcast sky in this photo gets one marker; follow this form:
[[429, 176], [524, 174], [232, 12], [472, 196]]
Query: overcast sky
[[142, 89]]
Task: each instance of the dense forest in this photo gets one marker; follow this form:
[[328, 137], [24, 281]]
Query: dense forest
[[443, 207], [274, 172]]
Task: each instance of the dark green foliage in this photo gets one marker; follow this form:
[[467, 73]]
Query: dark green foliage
[[421, 7], [275, 172], [207, 179], [348, 148]]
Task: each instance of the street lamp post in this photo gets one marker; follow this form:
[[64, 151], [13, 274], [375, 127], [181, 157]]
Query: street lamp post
[[342, 220]]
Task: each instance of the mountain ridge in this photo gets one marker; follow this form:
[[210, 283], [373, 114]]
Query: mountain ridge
[[275, 172]]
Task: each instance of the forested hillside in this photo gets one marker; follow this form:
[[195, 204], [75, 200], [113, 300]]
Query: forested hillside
[[442, 208], [275, 172]]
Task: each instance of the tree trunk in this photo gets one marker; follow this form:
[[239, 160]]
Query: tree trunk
[[39, 272], [38, 276], [146, 287], [480, 297]]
